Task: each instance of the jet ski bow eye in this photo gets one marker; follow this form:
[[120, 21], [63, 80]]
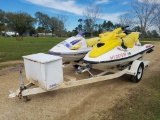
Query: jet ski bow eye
[[100, 44]]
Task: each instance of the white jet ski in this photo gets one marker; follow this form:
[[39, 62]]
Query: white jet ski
[[74, 48], [117, 48]]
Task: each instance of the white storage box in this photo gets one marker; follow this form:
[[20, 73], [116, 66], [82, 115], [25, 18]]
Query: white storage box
[[44, 69]]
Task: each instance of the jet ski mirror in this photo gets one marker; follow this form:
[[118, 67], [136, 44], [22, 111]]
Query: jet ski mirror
[[127, 31], [123, 28]]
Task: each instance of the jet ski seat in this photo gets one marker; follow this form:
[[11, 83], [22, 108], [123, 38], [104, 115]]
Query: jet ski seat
[[92, 41], [130, 39], [75, 47]]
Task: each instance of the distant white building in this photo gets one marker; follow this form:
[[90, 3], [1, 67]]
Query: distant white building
[[45, 34], [10, 33]]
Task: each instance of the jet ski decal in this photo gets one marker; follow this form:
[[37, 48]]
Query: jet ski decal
[[75, 42], [148, 46], [118, 56], [66, 44]]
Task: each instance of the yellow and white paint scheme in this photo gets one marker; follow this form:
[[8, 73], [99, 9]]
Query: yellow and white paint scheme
[[110, 40], [109, 51]]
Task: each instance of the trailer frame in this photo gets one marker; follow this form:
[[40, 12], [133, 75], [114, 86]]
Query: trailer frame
[[33, 87]]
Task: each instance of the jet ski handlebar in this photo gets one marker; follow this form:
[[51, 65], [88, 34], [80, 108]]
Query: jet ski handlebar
[[124, 27], [126, 31]]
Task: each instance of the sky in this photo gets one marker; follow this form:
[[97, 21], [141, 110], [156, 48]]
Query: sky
[[73, 9]]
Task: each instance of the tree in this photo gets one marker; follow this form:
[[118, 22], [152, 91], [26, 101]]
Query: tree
[[32, 31], [19, 21], [117, 25], [100, 30], [40, 29], [63, 19], [149, 34], [157, 21], [2, 15], [109, 26], [104, 25], [53, 24], [43, 20], [80, 26], [88, 25], [2, 20], [92, 14], [127, 19], [60, 30], [154, 34], [137, 29], [145, 12]]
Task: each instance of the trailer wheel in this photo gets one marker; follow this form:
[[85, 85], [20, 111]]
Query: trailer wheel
[[139, 74]]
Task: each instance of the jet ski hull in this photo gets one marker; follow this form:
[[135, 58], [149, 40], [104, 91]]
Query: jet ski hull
[[112, 64], [117, 57], [71, 57]]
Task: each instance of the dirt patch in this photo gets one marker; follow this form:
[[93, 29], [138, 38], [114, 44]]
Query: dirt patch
[[11, 66], [77, 103]]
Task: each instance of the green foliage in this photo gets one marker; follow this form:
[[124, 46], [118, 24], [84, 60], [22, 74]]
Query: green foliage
[[154, 34], [149, 39], [53, 24], [11, 49], [107, 25], [137, 29], [2, 20], [22, 22], [88, 25], [80, 26], [43, 20], [19, 21]]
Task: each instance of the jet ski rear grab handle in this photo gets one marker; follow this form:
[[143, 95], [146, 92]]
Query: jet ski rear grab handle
[[33, 88]]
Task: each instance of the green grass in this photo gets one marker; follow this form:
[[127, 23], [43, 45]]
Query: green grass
[[143, 104], [12, 49], [149, 39]]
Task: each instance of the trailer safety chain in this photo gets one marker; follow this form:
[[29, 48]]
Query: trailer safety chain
[[20, 94]]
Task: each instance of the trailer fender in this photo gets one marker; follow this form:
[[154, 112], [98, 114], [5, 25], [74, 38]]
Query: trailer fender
[[134, 67]]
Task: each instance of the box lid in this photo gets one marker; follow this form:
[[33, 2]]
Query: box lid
[[42, 58]]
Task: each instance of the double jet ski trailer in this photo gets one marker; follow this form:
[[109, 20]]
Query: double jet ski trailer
[[46, 73]]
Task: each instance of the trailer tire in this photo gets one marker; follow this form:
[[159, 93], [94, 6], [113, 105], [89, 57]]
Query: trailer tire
[[137, 78]]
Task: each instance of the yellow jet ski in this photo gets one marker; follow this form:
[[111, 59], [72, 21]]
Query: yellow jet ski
[[117, 48]]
